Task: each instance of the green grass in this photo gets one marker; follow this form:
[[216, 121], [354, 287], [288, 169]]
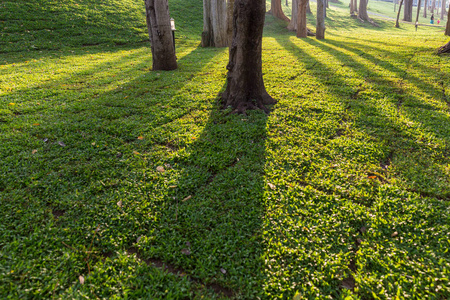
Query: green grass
[[346, 184]]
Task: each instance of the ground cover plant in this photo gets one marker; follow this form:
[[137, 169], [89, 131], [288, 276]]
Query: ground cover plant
[[120, 182]]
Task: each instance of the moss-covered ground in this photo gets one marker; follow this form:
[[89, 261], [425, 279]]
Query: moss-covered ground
[[120, 182]]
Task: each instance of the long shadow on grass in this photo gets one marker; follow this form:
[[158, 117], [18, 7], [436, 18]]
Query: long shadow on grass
[[395, 134]]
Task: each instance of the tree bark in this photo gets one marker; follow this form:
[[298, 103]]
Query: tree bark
[[214, 23], [230, 7], [407, 11], [160, 33], [302, 31], [397, 24], [447, 28], [425, 7], [245, 86], [443, 9], [293, 23], [353, 9], [277, 11], [418, 11], [308, 8], [320, 26], [362, 12], [444, 49]]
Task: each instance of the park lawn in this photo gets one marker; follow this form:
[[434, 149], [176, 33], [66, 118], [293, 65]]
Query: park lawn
[[110, 171]]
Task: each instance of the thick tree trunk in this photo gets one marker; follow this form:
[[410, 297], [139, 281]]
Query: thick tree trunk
[[293, 23], [160, 33], [245, 86], [320, 24], [447, 28], [397, 24], [214, 23], [302, 31], [277, 11], [362, 12], [407, 13], [230, 7]]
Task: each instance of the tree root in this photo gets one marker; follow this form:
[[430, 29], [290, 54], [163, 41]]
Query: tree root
[[444, 49]]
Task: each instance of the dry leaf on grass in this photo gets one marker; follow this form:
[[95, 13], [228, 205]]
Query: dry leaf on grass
[[160, 169]]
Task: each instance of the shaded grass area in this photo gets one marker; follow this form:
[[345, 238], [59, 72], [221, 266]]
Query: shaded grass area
[[116, 181]]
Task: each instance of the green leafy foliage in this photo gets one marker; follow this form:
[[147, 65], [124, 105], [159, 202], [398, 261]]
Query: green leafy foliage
[[120, 182]]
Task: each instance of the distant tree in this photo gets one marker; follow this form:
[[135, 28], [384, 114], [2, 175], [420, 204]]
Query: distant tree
[[277, 11], [308, 8], [443, 9], [353, 7], [397, 25], [407, 10], [418, 11], [293, 23], [160, 33], [302, 31], [425, 7], [320, 24], [215, 23], [447, 28], [245, 86]]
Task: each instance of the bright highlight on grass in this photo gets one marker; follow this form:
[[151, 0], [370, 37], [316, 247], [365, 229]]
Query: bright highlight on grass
[[116, 181]]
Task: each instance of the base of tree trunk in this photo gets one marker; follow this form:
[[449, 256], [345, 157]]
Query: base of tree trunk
[[368, 20], [444, 49]]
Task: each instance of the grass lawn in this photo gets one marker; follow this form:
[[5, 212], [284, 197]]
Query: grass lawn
[[120, 182]]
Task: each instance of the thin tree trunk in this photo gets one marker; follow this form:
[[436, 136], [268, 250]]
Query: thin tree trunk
[[308, 8], [407, 10], [302, 31], [277, 11], [425, 7], [433, 6], [320, 26], [443, 9], [214, 23], [397, 25], [245, 86], [418, 11], [160, 33]]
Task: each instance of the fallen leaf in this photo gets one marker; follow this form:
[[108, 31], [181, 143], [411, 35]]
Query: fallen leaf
[[172, 186], [61, 144], [223, 271], [272, 186], [119, 204], [12, 104], [137, 153], [187, 198], [34, 151], [372, 177], [363, 229], [45, 140], [93, 144], [186, 251], [140, 137], [81, 278], [36, 124], [394, 234], [160, 169], [358, 241]]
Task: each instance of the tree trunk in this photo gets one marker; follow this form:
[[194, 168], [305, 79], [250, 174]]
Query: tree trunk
[[230, 6], [320, 26], [214, 23], [160, 33], [397, 25], [302, 31], [362, 12], [417, 15], [407, 11], [277, 11], [245, 86], [352, 7], [308, 8], [447, 28], [425, 7], [433, 6], [293, 23], [443, 9]]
